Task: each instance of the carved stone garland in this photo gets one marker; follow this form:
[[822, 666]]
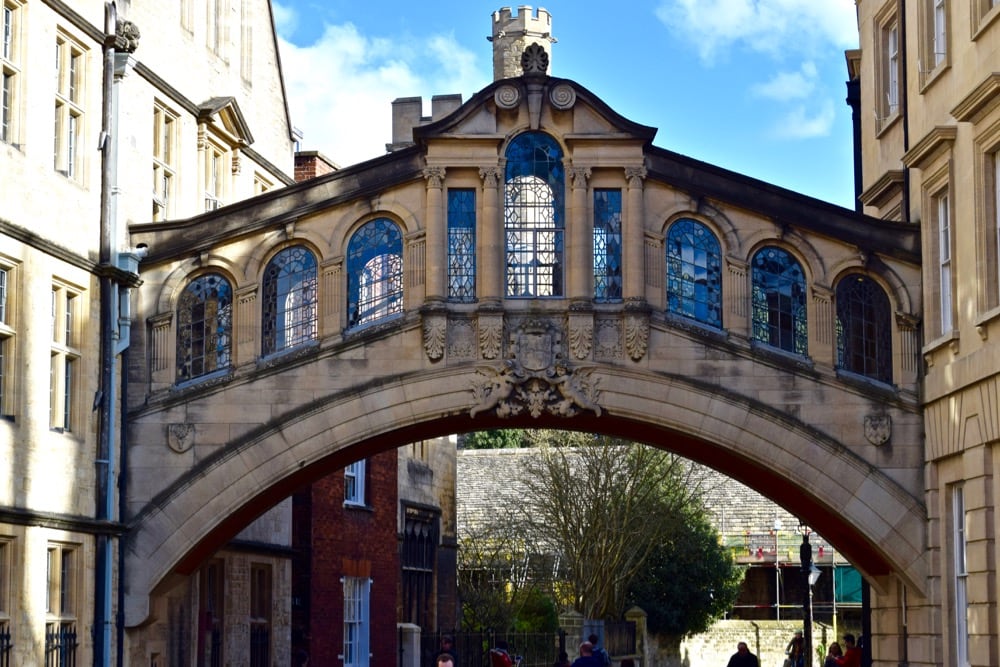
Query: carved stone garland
[[535, 378]]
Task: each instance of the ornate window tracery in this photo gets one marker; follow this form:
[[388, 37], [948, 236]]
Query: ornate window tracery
[[204, 326], [864, 330], [289, 303], [374, 273], [607, 245], [534, 220], [462, 244], [694, 272], [779, 301]]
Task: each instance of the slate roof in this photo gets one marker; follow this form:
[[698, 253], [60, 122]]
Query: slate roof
[[491, 479]]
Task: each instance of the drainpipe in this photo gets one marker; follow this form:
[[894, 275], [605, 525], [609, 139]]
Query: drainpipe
[[117, 272], [904, 105]]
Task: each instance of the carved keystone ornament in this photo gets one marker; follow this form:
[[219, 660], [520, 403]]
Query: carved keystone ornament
[[535, 378]]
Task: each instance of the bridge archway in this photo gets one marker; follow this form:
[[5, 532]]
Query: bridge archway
[[867, 515]]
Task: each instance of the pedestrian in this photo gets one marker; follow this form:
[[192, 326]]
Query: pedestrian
[[599, 651], [795, 652], [587, 657], [562, 660], [852, 653], [447, 646], [500, 656], [743, 657], [445, 660], [832, 653]]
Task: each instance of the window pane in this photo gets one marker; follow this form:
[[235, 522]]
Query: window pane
[[607, 245], [204, 326], [290, 314], [779, 301], [462, 245], [864, 333], [374, 273], [694, 272], [534, 186]]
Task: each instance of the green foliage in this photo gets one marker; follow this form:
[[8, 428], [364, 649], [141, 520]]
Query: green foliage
[[501, 438], [537, 613], [689, 582]]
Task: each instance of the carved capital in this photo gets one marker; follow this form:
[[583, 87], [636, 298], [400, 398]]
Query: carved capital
[[434, 176], [579, 176], [635, 176], [490, 176]]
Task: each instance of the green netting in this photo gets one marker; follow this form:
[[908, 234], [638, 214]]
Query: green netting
[[848, 582]]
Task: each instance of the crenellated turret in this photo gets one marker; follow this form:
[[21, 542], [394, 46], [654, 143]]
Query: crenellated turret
[[513, 33]]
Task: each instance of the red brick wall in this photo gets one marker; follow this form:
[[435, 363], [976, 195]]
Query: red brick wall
[[352, 541]]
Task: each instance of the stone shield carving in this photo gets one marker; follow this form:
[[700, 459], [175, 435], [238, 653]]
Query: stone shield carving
[[180, 437], [878, 429]]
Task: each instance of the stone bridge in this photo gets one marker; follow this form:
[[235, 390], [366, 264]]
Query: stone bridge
[[529, 260]]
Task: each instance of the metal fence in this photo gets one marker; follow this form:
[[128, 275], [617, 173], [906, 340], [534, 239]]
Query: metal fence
[[536, 649], [5, 645], [60, 645]]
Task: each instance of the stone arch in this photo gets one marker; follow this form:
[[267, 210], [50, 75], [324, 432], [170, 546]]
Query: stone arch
[[867, 515], [184, 272], [715, 220], [265, 252]]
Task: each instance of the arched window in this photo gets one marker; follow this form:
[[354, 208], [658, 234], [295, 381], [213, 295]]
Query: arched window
[[779, 301], [694, 272], [289, 312], [204, 326], [534, 186], [864, 330], [374, 273]]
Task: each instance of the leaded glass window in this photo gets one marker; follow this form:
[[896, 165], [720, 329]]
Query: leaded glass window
[[864, 333], [694, 272], [374, 273], [607, 245], [462, 244], [534, 221], [779, 301], [289, 307], [204, 326]]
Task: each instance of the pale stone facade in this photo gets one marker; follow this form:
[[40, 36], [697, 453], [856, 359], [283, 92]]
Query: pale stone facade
[[202, 89], [929, 116]]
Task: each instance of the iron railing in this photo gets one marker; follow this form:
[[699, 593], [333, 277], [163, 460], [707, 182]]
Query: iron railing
[[60, 645]]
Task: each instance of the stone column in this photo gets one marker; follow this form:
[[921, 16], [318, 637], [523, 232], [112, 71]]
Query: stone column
[[633, 237], [437, 236], [490, 274], [579, 258]]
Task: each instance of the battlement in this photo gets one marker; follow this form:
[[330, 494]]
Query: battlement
[[535, 23], [513, 33]]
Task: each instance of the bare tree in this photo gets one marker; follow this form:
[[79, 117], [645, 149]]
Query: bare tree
[[604, 505]]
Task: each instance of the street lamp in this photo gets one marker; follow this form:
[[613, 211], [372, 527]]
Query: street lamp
[[811, 573]]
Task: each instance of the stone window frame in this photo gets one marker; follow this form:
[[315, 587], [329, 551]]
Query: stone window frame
[[987, 168], [984, 13], [355, 483], [935, 43], [307, 284], [888, 67], [461, 236], [958, 516], [166, 126], [9, 293], [63, 594], [880, 318], [799, 331], [65, 386], [70, 117], [260, 616], [607, 245], [11, 54]]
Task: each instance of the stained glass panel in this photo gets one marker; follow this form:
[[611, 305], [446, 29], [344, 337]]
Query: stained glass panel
[[289, 308], [374, 273], [694, 272], [204, 326], [864, 330], [779, 301]]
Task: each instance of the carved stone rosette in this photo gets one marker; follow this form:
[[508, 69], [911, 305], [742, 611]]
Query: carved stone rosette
[[535, 379], [507, 96], [435, 334]]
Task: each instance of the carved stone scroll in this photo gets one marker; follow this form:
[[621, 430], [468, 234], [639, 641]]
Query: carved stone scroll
[[435, 332], [490, 334], [636, 335]]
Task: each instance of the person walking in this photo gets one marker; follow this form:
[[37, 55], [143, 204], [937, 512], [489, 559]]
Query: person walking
[[743, 657]]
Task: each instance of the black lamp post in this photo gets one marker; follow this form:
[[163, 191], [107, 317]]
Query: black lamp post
[[811, 574]]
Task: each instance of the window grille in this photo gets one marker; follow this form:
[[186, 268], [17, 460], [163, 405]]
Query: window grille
[[289, 308]]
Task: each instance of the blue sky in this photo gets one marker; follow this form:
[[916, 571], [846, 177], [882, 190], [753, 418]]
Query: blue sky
[[756, 86]]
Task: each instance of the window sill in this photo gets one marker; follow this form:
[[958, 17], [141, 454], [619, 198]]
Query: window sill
[[869, 384], [885, 123], [348, 505], [950, 339], [783, 356], [204, 379], [985, 319], [932, 76]]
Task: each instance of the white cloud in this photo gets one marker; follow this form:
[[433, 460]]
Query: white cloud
[[803, 123], [341, 87], [785, 86], [775, 27]]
